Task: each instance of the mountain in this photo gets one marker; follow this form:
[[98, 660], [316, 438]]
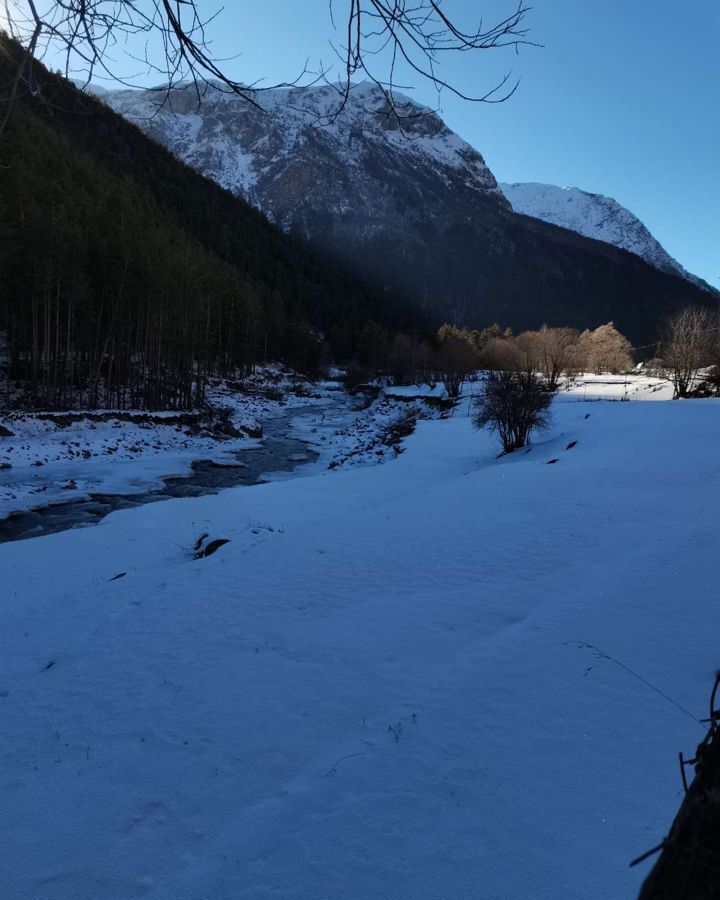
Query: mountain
[[595, 216], [127, 272], [407, 204], [298, 163]]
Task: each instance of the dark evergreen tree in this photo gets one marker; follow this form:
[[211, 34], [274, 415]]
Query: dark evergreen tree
[[129, 279]]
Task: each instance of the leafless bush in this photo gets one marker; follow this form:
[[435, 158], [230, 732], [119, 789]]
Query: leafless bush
[[408, 359], [557, 354], [550, 351], [454, 361], [526, 352], [713, 378], [513, 404]]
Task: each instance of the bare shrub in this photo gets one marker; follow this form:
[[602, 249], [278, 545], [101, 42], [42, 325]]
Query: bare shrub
[[713, 378], [549, 351], [373, 346], [527, 351], [355, 376], [556, 353], [408, 359], [513, 404], [454, 361]]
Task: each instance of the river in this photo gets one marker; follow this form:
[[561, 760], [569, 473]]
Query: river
[[278, 452]]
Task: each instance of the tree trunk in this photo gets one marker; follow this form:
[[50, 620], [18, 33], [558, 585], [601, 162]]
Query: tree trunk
[[689, 864]]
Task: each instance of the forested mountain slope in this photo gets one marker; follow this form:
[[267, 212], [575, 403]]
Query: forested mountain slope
[[121, 265], [410, 205]]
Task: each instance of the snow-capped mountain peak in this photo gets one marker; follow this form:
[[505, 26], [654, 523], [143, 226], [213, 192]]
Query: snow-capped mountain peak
[[595, 216], [247, 149], [411, 207]]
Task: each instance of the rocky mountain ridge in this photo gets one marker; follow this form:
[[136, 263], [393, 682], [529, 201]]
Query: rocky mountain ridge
[[594, 216], [407, 204]]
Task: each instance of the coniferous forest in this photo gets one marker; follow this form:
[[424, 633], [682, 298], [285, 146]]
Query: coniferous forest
[[128, 279]]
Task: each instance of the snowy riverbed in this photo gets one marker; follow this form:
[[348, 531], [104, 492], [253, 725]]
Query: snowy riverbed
[[47, 459], [384, 686], [52, 459]]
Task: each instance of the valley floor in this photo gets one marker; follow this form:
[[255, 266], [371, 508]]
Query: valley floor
[[450, 677]]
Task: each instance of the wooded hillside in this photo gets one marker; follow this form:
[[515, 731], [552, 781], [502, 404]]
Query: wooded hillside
[[127, 277]]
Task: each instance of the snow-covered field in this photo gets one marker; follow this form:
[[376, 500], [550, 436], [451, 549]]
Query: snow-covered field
[[433, 679], [617, 387]]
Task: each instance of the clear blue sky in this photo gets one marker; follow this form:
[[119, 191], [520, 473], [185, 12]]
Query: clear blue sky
[[623, 99]]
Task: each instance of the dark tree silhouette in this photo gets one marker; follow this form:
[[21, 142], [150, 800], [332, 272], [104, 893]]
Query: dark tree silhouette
[[688, 865], [513, 404], [455, 360]]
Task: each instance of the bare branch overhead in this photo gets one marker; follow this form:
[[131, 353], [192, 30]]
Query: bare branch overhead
[[380, 40]]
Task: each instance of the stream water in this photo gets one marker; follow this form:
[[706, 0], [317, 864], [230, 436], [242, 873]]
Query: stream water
[[278, 452]]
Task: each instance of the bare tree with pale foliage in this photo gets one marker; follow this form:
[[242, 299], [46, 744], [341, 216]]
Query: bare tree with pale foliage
[[525, 352], [557, 354], [604, 350], [692, 337], [501, 354], [549, 351]]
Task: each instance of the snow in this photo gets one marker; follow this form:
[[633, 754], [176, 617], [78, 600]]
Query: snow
[[594, 216], [237, 145], [366, 436], [48, 459], [382, 686], [105, 452], [416, 390], [584, 386], [50, 464], [617, 387]]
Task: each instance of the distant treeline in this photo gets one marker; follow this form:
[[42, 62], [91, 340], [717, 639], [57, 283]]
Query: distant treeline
[[687, 354], [456, 352], [126, 278]]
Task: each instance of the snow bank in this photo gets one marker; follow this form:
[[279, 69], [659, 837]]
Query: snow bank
[[617, 387], [382, 687], [43, 462]]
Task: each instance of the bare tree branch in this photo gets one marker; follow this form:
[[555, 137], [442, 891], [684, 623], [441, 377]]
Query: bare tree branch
[[379, 39]]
